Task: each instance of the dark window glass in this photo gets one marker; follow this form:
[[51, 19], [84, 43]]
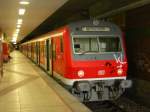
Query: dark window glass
[[96, 44], [54, 51], [61, 44]]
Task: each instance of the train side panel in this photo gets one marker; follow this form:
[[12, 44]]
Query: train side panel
[[1, 57], [59, 53], [5, 47], [42, 53]]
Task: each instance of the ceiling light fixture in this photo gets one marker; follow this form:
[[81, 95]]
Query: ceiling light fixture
[[19, 21], [24, 2], [14, 39], [15, 35], [17, 30], [18, 26], [21, 11]]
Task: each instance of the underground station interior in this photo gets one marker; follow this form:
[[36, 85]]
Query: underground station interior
[[132, 17]]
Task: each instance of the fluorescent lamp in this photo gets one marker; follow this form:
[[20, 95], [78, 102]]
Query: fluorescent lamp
[[19, 21], [24, 2], [15, 35], [14, 39], [18, 26], [21, 11], [17, 30]]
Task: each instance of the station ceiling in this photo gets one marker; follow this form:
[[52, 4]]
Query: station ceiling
[[35, 13], [42, 16]]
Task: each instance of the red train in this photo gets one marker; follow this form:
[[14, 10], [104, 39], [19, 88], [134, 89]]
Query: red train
[[87, 56]]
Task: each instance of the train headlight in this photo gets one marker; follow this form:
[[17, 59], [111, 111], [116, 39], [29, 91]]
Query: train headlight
[[120, 71], [80, 73]]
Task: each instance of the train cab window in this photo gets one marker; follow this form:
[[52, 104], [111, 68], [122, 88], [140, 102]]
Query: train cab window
[[82, 45], [77, 47], [96, 44], [109, 44]]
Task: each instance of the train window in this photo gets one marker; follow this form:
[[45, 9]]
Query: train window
[[42, 49], [61, 44], [109, 44], [96, 44], [85, 45], [77, 47], [54, 51]]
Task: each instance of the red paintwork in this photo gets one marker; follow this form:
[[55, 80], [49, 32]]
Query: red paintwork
[[5, 47], [61, 61], [91, 69]]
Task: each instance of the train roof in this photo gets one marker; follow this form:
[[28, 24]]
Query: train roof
[[92, 23], [89, 27], [94, 27]]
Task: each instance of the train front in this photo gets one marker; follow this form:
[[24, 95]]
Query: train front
[[99, 64]]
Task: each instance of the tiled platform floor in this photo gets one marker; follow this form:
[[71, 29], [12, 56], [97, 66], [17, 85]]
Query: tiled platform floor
[[23, 89]]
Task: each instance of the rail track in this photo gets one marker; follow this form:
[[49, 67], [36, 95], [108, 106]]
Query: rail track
[[121, 105]]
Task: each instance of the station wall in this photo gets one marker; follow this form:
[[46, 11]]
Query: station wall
[[138, 51]]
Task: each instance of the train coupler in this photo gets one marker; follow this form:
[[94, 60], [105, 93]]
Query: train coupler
[[82, 86]]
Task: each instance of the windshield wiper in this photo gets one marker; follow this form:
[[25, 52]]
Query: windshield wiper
[[84, 52]]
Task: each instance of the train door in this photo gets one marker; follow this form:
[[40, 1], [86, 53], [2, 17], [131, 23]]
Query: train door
[[47, 55], [37, 53], [34, 54], [43, 55], [27, 50], [53, 45], [58, 55], [50, 58], [32, 51], [1, 60]]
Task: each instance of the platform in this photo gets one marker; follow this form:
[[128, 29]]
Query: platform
[[26, 88]]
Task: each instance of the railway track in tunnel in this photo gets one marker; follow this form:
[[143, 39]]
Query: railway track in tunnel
[[121, 105]]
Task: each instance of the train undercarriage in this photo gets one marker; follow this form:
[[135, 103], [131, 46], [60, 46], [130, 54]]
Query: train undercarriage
[[104, 90]]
